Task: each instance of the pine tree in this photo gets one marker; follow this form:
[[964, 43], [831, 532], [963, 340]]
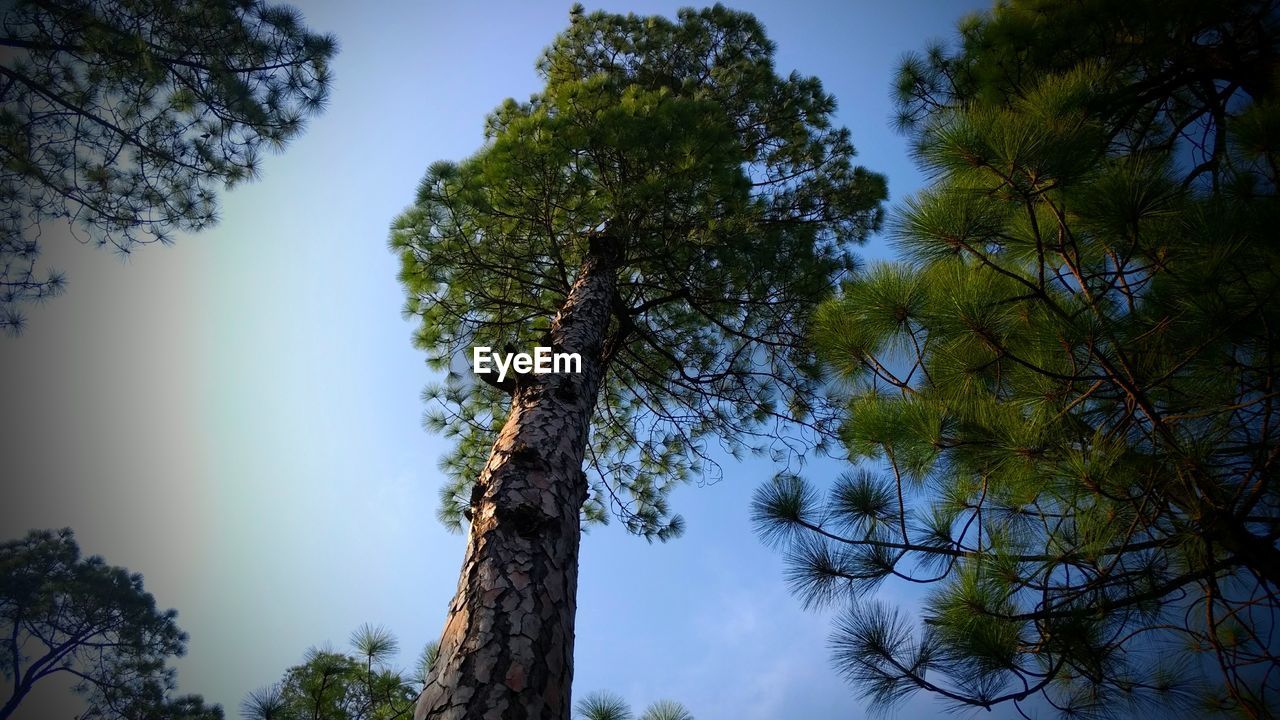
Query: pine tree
[[669, 208], [604, 705], [67, 616], [335, 685], [124, 118], [1064, 393]]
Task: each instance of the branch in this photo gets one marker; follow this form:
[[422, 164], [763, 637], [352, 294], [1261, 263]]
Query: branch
[[506, 385]]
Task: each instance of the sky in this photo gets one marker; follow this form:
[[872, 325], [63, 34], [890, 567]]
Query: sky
[[237, 417]]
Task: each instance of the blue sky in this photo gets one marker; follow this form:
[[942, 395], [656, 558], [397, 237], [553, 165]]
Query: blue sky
[[238, 416]]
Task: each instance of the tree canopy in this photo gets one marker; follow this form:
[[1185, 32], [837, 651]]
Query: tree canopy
[[733, 201], [125, 119], [1063, 394], [62, 614], [604, 705], [335, 685]]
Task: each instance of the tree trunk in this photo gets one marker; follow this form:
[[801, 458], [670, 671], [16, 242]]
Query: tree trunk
[[507, 647]]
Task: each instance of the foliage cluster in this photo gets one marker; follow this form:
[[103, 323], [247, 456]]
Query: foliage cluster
[[1064, 393], [124, 118], [732, 201], [65, 615]]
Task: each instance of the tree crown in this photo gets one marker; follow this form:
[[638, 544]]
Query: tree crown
[[731, 200], [1061, 394], [124, 118], [80, 617], [358, 685]]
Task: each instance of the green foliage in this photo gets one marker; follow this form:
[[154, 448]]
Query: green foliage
[[1063, 393], [735, 201], [426, 661], [125, 118], [374, 643], [152, 705], [605, 705], [65, 615], [666, 710], [333, 685]]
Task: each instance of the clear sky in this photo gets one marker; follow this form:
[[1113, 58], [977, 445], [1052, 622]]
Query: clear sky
[[238, 417]]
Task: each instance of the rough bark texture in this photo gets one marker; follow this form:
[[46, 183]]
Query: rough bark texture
[[507, 647]]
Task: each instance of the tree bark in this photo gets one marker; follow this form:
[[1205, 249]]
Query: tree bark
[[507, 646]]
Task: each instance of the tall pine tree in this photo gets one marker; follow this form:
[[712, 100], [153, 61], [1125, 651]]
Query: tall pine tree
[[67, 617], [671, 209], [1065, 391]]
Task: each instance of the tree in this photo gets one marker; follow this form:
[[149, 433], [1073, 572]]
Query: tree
[[331, 685], [79, 617], [609, 706], [153, 705], [1064, 394], [124, 118], [668, 208]]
